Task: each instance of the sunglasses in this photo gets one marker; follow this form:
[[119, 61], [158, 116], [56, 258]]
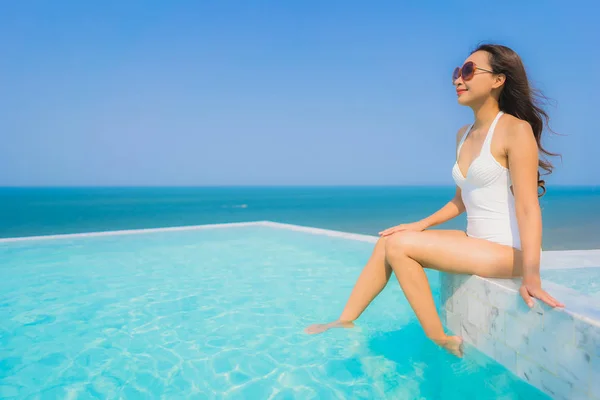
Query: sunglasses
[[467, 71]]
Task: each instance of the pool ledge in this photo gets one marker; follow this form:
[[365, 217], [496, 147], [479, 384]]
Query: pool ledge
[[555, 350]]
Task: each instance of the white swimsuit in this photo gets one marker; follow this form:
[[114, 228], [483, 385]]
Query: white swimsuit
[[487, 196]]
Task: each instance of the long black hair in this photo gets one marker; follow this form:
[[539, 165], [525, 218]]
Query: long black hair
[[519, 99]]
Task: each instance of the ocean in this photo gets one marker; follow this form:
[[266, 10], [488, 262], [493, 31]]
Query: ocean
[[571, 217]]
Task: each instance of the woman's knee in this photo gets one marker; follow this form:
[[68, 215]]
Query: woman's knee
[[400, 243], [379, 249]]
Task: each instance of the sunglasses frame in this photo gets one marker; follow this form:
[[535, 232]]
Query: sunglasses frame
[[469, 77]]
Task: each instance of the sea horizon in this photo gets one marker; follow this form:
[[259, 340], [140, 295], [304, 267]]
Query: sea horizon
[[558, 185], [569, 217]]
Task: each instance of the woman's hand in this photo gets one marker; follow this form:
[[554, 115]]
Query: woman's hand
[[532, 287], [414, 226]]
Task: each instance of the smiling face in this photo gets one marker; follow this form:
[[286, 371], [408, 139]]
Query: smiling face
[[475, 81]]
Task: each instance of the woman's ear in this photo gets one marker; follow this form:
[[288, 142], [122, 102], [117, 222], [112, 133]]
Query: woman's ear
[[499, 81]]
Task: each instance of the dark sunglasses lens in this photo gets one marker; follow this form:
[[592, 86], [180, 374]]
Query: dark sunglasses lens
[[455, 74], [468, 70]]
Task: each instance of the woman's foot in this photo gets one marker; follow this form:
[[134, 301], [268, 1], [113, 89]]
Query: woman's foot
[[320, 328], [452, 344]]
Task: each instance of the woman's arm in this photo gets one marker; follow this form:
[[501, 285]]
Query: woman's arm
[[522, 152], [452, 209]]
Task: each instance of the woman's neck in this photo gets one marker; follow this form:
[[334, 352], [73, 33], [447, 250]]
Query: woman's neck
[[486, 112]]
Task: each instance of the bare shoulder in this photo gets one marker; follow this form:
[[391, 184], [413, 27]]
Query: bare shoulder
[[515, 132], [513, 128]]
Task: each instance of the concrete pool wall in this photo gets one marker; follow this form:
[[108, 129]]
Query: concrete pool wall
[[555, 350]]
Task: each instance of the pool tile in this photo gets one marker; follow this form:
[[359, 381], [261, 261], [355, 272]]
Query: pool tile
[[505, 355], [561, 323], [587, 336], [573, 364], [453, 323], [461, 303], [480, 289], [485, 344], [469, 332], [478, 315], [516, 332], [497, 321], [540, 377]]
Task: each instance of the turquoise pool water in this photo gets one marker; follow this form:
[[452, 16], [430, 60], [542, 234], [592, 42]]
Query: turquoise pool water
[[216, 313]]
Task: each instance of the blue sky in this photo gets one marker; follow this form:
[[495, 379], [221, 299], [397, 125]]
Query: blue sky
[[274, 92]]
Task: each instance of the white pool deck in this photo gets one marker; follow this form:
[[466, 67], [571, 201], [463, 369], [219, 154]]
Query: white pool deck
[[555, 350]]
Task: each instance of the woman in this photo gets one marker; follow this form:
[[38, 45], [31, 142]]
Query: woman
[[497, 179]]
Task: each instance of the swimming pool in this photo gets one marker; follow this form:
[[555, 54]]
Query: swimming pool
[[216, 312]]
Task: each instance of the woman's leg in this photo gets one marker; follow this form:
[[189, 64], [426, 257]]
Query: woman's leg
[[372, 280], [409, 252], [370, 283]]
